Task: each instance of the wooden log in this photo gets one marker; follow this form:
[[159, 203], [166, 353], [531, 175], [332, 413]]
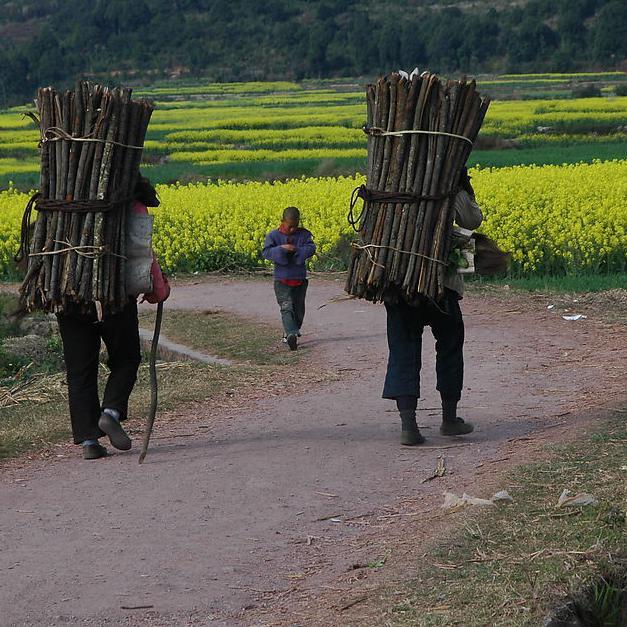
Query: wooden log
[[393, 210], [91, 99], [86, 291], [416, 169], [435, 189], [425, 175], [44, 148], [382, 100], [401, 211], [389, 87], [102, 193]]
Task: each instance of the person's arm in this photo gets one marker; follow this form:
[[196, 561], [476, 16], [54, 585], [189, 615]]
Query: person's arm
[[160, 285], [274, 252], [468, 214], [306, 249]]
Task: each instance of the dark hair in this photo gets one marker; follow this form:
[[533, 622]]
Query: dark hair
[[291, 213], [145, 192], [464, 182]]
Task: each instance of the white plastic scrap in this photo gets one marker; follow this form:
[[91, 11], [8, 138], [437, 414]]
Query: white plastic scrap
[[575, 317], [502, 496], [570, 499], [452, 502]]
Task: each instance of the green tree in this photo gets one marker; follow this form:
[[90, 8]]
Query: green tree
[[609, 36], [320, 36], [531, 41]]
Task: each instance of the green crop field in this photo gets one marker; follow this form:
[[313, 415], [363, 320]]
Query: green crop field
[[283, 129], [554, 217]]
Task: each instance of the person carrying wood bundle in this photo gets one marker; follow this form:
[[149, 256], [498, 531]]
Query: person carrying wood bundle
[[82, 334], [405, 325], [289, 247]]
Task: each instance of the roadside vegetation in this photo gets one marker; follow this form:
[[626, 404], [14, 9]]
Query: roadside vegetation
[[519, 564]]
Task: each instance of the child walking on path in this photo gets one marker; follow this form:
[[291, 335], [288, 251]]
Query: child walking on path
[[289, 247]]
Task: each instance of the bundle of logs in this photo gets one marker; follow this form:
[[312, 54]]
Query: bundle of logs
[[91, 148], [420, 133]]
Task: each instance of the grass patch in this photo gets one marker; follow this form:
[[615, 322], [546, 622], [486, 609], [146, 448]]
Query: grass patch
[[549, 155], [12, 363], [41, 418], [559, 284], [186, 172], [224, 335], [8, 305], [513, 566]]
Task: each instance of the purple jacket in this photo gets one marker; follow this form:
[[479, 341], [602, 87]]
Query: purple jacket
[[289, 265]]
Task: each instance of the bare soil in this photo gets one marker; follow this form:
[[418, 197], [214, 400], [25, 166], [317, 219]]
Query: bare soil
[[296, 506]]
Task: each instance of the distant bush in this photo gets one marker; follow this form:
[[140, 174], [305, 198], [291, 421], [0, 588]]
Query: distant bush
[[587, 91]]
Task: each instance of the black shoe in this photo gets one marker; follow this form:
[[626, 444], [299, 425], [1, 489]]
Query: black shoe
[[456, 427], [292, 341], [94, 451], [410, 434], [412, 438], [117, 436]]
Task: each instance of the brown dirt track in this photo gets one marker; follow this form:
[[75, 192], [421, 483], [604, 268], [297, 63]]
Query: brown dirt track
[[238, 525]]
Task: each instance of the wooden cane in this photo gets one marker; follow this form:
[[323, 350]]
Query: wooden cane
[[153, 383]]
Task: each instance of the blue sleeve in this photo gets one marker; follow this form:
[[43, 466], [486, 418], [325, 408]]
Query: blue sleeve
[[274, 252], [306, 249]]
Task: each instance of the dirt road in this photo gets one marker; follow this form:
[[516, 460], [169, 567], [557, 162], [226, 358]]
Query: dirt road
[[269, 507]]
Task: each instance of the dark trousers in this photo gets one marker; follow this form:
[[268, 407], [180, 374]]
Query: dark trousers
[[292, 303], [405, 325], [81, 335]]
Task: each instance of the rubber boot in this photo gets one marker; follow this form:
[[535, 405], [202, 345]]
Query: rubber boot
[[452, 424], [410, 434]]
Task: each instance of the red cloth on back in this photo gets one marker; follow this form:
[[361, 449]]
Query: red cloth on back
[[160, 285]]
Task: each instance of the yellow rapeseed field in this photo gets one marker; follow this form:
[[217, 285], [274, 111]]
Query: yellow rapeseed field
[[554, 219]]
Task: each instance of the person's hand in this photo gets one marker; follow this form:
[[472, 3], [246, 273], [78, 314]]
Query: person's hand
[[160, 293], [289, 247]]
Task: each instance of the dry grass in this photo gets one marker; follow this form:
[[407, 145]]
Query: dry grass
[[35, 390], [225, 335], [34, 412], [511, 566]]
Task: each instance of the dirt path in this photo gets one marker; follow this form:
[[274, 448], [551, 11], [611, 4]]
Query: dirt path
[[272, 508]]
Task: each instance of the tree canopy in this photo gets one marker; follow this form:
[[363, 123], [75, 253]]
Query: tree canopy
[[47, 41]]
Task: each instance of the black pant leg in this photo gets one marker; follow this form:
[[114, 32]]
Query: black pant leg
[[299, 296], [81, 351], [448, 330], [120, 333], [404, 329]]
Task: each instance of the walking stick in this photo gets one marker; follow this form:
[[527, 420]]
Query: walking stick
[[153, 383]]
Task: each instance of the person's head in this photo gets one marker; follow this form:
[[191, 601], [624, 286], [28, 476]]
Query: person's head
[[291, 219], [464, 181], [145, 192]]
